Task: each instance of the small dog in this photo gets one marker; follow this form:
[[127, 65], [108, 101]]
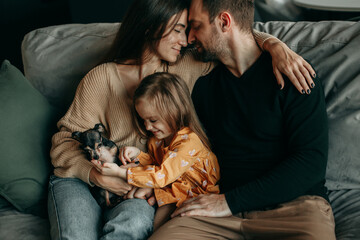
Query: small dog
[[98, 147]]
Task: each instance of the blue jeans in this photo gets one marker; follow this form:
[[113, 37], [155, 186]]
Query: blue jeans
[[75, 214]]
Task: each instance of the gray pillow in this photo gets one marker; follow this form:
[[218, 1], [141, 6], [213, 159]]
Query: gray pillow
[[27, 124], [55, 59]]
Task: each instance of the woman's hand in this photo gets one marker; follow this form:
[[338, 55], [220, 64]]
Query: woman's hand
[[127, 154], [286, 61], [109, 169], [115, 185]]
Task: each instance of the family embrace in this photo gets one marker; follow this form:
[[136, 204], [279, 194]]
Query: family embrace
[[214, 142]]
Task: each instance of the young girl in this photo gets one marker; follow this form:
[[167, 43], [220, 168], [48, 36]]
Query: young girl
[[179, 163]]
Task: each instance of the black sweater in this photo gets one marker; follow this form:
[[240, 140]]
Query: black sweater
[[271, 144]]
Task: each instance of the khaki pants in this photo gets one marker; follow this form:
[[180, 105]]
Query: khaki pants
[[305, 218]]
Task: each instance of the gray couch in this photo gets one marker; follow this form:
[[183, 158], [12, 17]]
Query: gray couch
[[56, 58]]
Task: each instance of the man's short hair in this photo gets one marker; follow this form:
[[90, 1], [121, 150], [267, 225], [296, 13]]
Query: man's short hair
[[241, 10]]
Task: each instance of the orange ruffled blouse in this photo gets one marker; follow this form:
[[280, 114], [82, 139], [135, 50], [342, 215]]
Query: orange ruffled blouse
[[182, 170]]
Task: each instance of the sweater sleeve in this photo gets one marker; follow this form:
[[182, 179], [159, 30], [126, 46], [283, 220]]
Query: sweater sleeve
[[306, 141], [179, 157], [86, 110]]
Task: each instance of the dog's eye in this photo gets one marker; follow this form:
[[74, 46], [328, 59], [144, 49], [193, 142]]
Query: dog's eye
[[99, 145]]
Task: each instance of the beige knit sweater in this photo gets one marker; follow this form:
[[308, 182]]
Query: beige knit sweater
[[102, 98]]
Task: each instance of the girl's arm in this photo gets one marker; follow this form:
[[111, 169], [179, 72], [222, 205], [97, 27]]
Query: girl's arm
[[286, 61], [177, 160]]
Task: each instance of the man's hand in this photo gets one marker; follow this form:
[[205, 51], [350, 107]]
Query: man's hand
[[208, 205], [115, 185]]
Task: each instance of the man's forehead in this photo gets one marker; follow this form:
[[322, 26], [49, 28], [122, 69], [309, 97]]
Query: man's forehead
[[196, 10]]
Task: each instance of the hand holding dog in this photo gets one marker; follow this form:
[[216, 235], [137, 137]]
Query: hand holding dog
[[127, 154], [109, 169], [115, 185], [207, 205]]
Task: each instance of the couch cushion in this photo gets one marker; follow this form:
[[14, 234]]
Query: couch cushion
[[332, 48], [346, 208], [15, 225], [56, 58], [26, 122]]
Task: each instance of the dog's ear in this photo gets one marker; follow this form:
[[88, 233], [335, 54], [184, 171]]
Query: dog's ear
[[99, 127], [76, 135]]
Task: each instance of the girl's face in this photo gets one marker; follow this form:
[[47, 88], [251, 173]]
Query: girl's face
[[175, 38], [153, 121]]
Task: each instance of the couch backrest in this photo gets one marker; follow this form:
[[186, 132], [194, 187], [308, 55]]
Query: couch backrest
[[56, 58]]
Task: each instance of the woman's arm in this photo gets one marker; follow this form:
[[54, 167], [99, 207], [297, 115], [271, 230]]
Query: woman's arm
[[286, 61], [85, 111]]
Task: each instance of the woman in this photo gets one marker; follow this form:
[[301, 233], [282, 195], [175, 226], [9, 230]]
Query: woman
[[150, 38]]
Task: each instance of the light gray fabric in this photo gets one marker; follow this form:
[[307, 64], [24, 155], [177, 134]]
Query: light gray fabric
[[15, 225], [56, 58], [346, 208]]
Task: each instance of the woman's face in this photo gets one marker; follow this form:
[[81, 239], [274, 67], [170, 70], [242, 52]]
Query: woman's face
[[175, 38]]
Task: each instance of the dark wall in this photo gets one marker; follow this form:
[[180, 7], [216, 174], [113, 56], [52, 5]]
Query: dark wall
[[18, 17]]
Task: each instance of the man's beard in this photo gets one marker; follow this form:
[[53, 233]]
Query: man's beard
[[212, 53], [208, 56]]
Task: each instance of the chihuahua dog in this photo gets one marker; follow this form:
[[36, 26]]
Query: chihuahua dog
[[98, 147]]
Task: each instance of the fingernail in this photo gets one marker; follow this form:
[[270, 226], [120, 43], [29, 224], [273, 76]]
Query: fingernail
[[308, 91], [303, 91], [280, 86], [314, 75], [312, 85]]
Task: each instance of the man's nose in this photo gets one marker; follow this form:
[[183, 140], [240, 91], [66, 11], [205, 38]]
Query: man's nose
[[191, 37]]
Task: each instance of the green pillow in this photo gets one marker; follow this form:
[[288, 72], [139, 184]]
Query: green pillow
[[27, 124]]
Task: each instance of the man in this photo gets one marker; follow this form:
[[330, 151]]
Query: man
[[271, 144]]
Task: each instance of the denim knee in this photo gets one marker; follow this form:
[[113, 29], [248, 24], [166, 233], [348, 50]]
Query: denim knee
[[73, 212], [131, 219]]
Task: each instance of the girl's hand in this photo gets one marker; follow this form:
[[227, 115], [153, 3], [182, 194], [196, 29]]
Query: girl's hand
[[286, 61], [130, 165], [142, 193], [127, 154], [109, 169]]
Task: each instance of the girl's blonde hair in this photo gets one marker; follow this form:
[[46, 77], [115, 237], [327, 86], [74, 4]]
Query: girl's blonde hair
[[170, 95]]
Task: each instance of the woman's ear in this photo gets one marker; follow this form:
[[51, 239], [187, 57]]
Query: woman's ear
[[225, 21]]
